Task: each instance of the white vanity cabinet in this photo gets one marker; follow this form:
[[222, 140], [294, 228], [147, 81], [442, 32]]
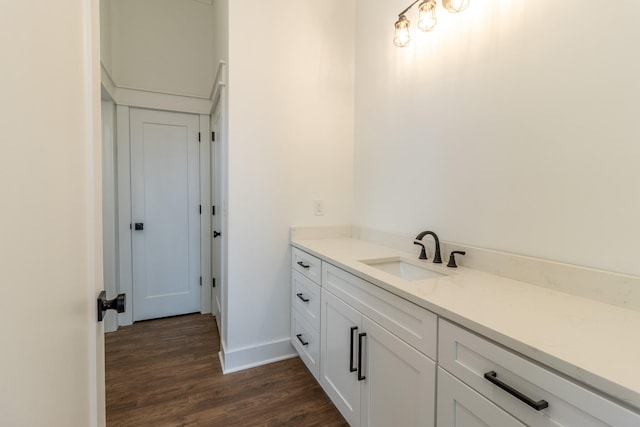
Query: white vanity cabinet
[[305, 308], [528, 392], [373, 376]]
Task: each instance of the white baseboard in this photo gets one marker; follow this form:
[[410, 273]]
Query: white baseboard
[[250, 357]]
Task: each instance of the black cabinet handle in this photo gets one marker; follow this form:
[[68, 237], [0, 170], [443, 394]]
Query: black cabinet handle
[[538, 406], [138, 226], [302, 298], [303, 265], [303, 342], [360, 376], [351, 367], [216, 234]]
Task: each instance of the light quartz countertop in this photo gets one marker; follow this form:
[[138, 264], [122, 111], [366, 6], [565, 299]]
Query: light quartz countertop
[[591, 342]]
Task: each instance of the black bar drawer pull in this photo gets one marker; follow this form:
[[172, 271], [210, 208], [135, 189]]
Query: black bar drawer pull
[[302, 298], [538, 406], [303, 265], [360, 376], [303, 342], [351, 367]]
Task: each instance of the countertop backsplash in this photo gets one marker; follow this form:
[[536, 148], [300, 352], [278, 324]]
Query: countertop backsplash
[[611, 288]]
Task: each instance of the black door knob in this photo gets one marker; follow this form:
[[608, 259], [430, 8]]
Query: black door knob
[[139, 226], [118, 304]]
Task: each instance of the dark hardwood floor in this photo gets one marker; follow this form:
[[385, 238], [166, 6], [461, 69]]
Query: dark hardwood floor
[[166, 372]]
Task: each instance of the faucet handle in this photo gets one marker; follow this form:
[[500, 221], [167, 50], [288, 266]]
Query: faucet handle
[[423, 252], [452, 258]]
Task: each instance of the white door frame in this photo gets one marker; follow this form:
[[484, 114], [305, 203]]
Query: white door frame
[[205, 218], [219, 98], [216, 117], [109, 214], [124, 214]]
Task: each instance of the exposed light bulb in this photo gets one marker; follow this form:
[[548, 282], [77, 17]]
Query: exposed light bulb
[[455, 6], [427, 15], [402, 36]]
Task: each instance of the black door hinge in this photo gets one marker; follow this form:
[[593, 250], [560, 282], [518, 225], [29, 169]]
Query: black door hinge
[[200, 209], [213, 137], [214, 282], [200, 280], [213, 210], [198, 136]]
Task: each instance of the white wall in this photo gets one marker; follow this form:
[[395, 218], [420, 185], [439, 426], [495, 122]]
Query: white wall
[[162, 46], [513, 126], [290, 142], [220, 13], [50, 257], [105, 34]]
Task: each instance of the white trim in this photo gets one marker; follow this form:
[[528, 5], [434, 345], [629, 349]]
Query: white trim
[[218, 83], [108, 86], [250, 357], [160, 92], [124, 212], [205, 217], [162, 101], [152, 99], [109, 213]]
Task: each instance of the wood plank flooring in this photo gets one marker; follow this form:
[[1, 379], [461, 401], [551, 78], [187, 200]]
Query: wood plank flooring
[[166, 372]]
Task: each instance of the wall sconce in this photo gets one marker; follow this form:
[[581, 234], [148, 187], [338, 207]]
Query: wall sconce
[[426, 18]]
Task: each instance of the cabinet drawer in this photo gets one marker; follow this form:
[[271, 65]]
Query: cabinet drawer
[[411, 323], [469, 357], [306, 298], [460, 406], [308, 265], [306, 341]]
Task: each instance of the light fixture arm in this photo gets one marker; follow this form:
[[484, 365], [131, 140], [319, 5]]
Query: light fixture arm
[[407, 9], [426, 18]]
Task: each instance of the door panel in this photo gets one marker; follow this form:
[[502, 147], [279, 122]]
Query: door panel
[[165, 200], [401, 382], [342, 386]]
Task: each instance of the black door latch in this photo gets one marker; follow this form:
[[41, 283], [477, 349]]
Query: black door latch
[[104, 304]]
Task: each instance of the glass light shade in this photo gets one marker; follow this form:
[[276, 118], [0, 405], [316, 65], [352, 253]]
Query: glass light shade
[[402, 36], [455, 6], [427, 15]]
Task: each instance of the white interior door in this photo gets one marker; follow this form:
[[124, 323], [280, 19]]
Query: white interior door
[[165, 211], [216, 223]]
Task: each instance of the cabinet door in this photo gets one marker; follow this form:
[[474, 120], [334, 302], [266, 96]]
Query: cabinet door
[[460, 406], [400, 383], [340, 325]]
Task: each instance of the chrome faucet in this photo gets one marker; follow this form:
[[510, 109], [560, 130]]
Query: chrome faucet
[[436, 256]]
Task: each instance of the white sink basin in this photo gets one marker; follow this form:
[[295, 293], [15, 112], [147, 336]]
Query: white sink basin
[[402, 268]]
